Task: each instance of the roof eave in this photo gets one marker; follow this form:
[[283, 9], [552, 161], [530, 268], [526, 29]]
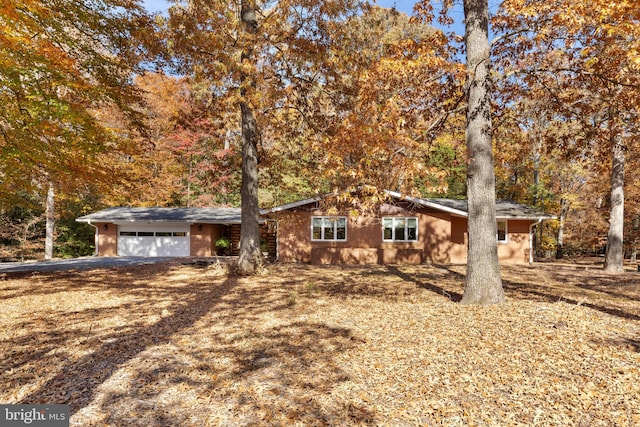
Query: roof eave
[[525, 217], [291, 205], [427, 203]]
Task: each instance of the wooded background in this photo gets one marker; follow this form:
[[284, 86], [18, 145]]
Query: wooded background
[[105, 105]]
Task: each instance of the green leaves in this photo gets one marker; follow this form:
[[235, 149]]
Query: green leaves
[[60, 62]]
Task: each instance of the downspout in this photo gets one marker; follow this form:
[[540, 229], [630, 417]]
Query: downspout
[[531, 239], [95, 237]]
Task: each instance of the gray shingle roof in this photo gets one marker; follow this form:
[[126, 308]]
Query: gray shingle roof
[[193, 215], [504, 209]]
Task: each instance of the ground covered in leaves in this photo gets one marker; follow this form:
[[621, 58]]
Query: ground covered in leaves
[[180, 344]]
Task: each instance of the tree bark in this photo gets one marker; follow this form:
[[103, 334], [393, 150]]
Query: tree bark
[[634, 241], [483, 283], [250, 257], [613, 262], [564, 211], [50, 222]]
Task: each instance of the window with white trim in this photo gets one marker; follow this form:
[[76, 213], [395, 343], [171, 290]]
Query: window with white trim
[[400, 229], [329, 228], [502, 232]]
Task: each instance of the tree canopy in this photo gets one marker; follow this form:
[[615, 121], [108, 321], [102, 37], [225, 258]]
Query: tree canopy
[[62, 64], [280, 100]]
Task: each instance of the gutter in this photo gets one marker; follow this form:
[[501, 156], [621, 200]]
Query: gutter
[[531, 238]]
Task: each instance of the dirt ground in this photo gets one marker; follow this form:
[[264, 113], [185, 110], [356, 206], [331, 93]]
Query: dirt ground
[[177, 344]]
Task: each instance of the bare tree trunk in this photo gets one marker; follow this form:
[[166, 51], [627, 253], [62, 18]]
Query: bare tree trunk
[[483, 282], [564, 210], [50, 222], [634, 241], [613, 262], [250, 257]]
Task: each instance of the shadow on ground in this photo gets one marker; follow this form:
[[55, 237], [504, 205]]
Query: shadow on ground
[[167, 337]]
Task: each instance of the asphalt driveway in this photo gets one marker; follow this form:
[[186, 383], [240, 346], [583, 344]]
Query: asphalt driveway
[[83, 263]]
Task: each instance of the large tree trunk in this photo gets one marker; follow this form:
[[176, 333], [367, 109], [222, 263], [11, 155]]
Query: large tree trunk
[[250, 258], [483, 282], [614, 255], [50, 223]]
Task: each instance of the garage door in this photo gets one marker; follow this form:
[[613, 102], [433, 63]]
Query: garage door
[[153, 240]]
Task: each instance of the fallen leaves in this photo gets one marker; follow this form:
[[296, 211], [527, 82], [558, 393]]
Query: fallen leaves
[[175, 344]]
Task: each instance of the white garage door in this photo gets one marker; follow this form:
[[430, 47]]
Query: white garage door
[[153, 240]]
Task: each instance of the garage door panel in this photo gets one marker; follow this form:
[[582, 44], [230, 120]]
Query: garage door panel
[[153, 241], [171, 246]]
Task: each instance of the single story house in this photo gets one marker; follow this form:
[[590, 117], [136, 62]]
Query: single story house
[[171, 232], [404, 230]]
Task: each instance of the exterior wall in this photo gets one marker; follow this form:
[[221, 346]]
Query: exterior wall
[[235, 232], [202, 239], [442, 238], [107, 239], [516, 249], [458, 245], [268, 235], [364, 243]]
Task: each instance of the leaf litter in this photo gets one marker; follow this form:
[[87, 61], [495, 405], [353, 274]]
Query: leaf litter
[[184, 344]]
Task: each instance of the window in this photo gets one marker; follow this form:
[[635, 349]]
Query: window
[[156, 234], [329, 228], [502, 231], [400, 229]]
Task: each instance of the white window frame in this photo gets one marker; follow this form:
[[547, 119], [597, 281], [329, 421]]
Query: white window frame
[[406, 220], [334, 221], [506, 231]]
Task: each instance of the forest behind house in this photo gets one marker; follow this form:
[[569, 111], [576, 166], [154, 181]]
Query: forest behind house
[[106, 105]]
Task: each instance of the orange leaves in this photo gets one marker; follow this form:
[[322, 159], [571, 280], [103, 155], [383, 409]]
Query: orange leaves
[[369, 346], [398, 94], [59, 64]]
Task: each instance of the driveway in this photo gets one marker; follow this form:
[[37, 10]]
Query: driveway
[[84, 263]]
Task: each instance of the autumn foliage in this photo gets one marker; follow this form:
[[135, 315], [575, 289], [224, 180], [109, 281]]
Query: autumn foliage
[[344, 95]]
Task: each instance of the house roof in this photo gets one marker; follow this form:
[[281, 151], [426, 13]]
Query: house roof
[[292, 205], [192, 215], [504, 209]]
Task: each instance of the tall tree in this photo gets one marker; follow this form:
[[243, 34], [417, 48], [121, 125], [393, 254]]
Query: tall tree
[[483, 282], [585, 56], [614, 256], [60, 61], [250, 255], [259, 58], [50, 221]]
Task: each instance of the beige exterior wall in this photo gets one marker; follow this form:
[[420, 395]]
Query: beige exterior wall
[[442, 238], [107, 239], [202, 239], [516, 249]]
